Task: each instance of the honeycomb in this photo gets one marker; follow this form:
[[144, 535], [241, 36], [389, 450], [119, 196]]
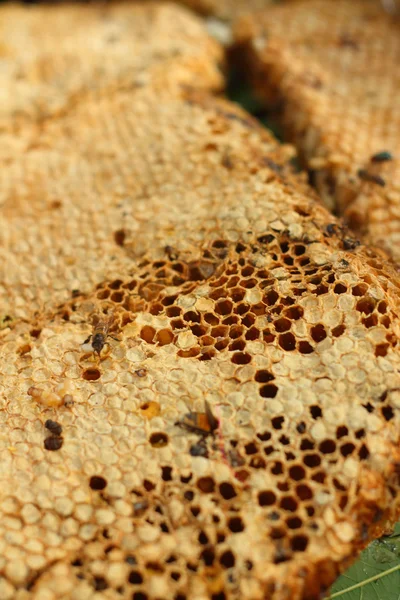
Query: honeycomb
[[226, 9], [94, 211], [333, 69], [267, 310], [227, 297], [119, 45]]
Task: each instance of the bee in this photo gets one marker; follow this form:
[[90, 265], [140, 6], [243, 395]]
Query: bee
[[204, 423], [98, 337]]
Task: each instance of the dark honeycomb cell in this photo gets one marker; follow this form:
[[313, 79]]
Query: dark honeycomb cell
[[158, 439], [287, 341], [206, 485], [266, 498], [268, 391], [97, 482], [91, 374]]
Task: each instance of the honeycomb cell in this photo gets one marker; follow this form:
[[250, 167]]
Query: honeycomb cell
[[268, 391]]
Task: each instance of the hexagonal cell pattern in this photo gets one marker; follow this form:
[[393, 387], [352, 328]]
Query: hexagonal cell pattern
[[336, 100], [221, 291]]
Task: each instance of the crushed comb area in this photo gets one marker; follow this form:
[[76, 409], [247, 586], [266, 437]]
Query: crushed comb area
[[332, 70], [234, 431]]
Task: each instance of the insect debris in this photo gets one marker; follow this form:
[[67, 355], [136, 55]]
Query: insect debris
[[366, 176], [141, 372], [382, 156], [350, 244], [199, 449], [53, 442], [53, 426], [171, 252], [203, 423]]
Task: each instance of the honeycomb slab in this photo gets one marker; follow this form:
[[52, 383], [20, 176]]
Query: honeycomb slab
[[51, 56], [237, 289], [332, 70], [199, 384]]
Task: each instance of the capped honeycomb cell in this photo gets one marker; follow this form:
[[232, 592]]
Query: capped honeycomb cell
[[332, 68]]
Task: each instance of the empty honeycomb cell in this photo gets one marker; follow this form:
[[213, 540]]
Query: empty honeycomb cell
[[117, 297], [224, 307], [219, 332], [387, 412], [211, 318], [339, 330], [287, 341], [192, 317], [264, 376], [135, 577], [206, 485], [370, 321], [147, 334], [299, 543], [158, 439], [363, 452], [236, 525], [366, 305], [116, 284], [177, 324], [382, 307], [164, 337], [227, 559], [271, 298], [266, 498], [91, 374], [316, 411], [297, 473], [99, 584], [207, 354], [340, 288], [304, 492], [236, 331], [342, 431], [200, 331], [305, 347], [282, 325], [327, 447], [268, 391], [294, 313], [237, 345], [241, 358], [173, 311], [103, 294], [288, 503], [227, 491]]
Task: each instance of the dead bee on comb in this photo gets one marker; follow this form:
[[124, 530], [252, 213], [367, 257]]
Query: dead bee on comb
[[203, 423]]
